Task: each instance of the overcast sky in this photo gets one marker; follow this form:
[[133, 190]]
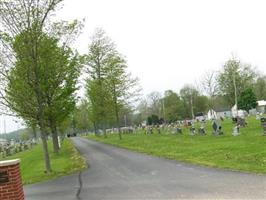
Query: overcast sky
[[169, 43]]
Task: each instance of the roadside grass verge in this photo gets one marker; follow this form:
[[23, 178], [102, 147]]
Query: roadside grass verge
[[246, 152], [32, 165]]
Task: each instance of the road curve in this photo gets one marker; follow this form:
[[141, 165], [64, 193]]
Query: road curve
[[118, 174]]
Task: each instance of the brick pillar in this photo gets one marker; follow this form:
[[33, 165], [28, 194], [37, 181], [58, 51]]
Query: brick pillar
[[10, 181]]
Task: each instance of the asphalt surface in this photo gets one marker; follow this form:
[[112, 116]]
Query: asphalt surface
[[118, 174]]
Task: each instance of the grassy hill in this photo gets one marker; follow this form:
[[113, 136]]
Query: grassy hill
[[15, 135]]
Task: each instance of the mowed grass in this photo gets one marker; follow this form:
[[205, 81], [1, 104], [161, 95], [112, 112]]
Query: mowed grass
[[246, 152], [32, 162]]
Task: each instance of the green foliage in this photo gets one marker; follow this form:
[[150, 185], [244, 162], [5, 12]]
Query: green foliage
[[109, 87], [173, 108], [245, 152], [100, 51], [81, 116], [260, 88], [25, 135], [153, 120], [192, 101], [247, 100], [57, 73], [242, 74]]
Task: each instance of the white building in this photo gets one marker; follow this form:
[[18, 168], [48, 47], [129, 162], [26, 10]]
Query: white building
[[261, 106]]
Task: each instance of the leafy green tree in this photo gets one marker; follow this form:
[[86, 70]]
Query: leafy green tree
[[201, 104], [101, 50], [17, 17], [247, 100], [61, 75], [23, 69], [25, 135], [153, 120], [173, 107], [109, 86], [234, 78], [82, 118], [188, 95], [121, 86], [260, 88], [58, 74]]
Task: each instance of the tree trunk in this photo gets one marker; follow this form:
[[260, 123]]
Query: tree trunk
[[45, 152], [104, 131], [55, 138], [117, 123], [55, 143], [34, 132], [95, 129]]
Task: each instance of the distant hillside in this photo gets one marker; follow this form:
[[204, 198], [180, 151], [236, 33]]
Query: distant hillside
[[13, 135]]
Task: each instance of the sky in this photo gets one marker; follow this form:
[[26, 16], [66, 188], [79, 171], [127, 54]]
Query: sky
[[170, 43]]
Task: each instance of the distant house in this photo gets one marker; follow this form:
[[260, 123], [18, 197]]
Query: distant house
[[224, 113], [261, 106]]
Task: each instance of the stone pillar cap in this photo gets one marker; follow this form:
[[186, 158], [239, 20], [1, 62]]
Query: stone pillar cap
[[9, 162]]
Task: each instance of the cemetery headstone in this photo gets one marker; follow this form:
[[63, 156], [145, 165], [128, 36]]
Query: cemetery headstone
[[202, 128], [178, 130], [263, 124], [258, 116], [241, 122], [158, 129], [217, 128], [236, 131], [192, 129]]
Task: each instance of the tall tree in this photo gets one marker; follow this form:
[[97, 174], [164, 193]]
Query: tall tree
[[61, 74], [82, 116], [24, 61], [173, 107], [109, 86], [188, 94], [234, 78], [121, 86], [101, 50]]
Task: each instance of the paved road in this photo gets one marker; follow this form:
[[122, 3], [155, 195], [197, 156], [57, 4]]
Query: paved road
[[118, 174]]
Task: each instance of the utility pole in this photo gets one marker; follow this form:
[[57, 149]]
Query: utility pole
[[234, 82], [163, 110], [192, 111]]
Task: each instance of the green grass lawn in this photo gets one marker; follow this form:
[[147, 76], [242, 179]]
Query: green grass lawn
[[246, 152], [32, 164]]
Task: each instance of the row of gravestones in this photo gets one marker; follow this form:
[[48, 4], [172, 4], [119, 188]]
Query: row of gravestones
[[216, 127], [176, 129], [9, 150]]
